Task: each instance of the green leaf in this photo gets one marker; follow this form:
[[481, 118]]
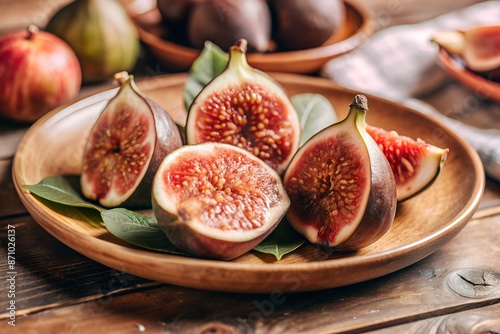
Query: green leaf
[[61, 189], [138, 229], [211, 61], [283, 240], [315, 114]]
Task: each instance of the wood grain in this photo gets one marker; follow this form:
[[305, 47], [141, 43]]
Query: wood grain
[[412, 298], [10, 204]]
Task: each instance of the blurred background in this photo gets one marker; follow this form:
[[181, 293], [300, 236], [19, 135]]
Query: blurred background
[[20, 13]]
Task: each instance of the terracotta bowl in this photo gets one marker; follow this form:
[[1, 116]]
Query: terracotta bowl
[[480, 85], [178, 56]]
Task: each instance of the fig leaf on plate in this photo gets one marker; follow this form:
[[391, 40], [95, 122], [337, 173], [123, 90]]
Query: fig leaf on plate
[[211, 61], [60, 190], [315, 114], [283, 240], [140, 229]]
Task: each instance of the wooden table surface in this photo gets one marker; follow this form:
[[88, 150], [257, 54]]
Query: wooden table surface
[[57, 290]]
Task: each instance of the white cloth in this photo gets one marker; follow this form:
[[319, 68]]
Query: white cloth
[[400, 63]]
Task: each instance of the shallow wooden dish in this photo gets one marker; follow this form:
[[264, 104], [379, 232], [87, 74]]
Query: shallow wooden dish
[[176, 56], [482, 87], [54, 145]]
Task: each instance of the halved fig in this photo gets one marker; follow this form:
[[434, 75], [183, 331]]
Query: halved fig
[[479, 47], [216, 200], [415, 163], [245, 107], [341, 188], [125, 147]]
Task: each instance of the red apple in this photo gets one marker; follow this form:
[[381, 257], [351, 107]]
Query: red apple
[[38, 72]]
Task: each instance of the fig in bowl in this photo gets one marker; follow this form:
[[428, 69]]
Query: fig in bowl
[[476, 47]]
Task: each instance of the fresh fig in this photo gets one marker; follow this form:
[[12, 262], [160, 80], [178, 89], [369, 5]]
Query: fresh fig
[[102, 35], [300, 24], [216, 200], [245, 107], [341, 188], [478, 47], [175, 11], [125, 147], [223, 22], [415, 163]]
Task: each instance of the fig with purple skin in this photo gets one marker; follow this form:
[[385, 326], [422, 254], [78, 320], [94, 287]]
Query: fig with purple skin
[[125, 147], [301, 24], [224, 22], [341, 187], [245, 107], [415, 163], [216, 200]]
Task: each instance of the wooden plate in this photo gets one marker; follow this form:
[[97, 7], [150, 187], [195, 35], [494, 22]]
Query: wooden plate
[[54, 145], [177, 56], [482, 87]]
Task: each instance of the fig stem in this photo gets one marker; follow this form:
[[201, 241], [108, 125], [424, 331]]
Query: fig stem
[[121, 77], [359, 102], [241, 44], [32, 30]]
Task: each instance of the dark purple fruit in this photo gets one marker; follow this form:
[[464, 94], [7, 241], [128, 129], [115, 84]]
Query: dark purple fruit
[[224, 22], [247, 108], [217, 201], [126, 145], [341, 187], [304, 24], [175, 11]]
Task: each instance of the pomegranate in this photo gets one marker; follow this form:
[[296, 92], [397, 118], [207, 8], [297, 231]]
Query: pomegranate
[[38, 72]]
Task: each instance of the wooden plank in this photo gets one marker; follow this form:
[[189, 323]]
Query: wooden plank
[[48, 274], [10, 204], [415, 293], [480, 320]]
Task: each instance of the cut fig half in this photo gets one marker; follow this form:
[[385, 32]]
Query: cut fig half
[[245, 107], [125, 147], [216, 200], [479, 47], [415, 163], [341, 188]]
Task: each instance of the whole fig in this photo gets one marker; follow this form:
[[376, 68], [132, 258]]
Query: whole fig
[[223, 22], [301, 24], [102, 35], [175, 11]]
